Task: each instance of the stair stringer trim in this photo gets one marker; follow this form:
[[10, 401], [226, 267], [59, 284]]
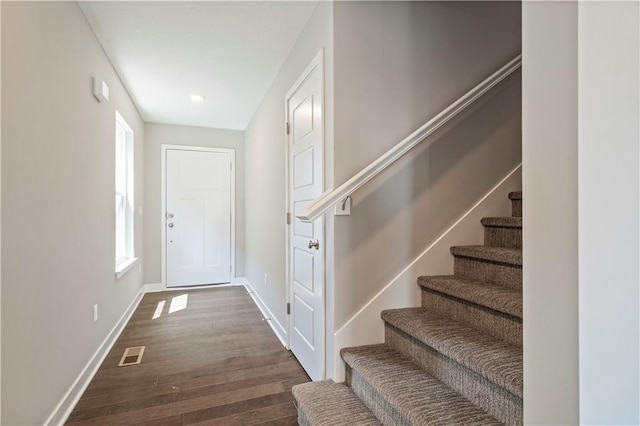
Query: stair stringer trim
[[366, 327]]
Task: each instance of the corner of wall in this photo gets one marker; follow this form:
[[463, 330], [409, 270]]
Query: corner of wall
[[268, 316]]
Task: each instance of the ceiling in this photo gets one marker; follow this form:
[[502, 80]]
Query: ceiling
[[227, 51]]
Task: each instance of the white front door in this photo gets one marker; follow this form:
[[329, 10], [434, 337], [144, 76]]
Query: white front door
[[198, 217], [304, 104]]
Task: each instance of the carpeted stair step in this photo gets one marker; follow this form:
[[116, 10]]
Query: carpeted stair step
[[503, 232], [489, 308], [495, 265], [400, 393], [516, 203], [483, 369], [327, 403], [497, 361]]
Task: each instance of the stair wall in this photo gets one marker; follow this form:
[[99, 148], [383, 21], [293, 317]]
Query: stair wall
[[365, 327]]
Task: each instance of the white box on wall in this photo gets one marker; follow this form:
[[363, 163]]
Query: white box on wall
[[100, 90]]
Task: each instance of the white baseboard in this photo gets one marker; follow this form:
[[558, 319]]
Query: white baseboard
[[65, 406], [277, 328], [156, 287], [366, 327]]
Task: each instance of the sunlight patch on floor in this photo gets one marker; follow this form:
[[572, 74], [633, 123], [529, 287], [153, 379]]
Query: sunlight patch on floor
[[178, 303], [159, 309]]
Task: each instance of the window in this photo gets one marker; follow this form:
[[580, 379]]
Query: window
[[124, 196]]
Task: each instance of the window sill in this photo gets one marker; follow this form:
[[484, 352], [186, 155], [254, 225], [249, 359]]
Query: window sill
[[124, 266]]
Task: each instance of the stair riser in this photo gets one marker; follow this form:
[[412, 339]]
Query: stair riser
[[494, 399], [503, 237], [497, 324], [509, 276], [302, 418], [516, 208], [372, 399]]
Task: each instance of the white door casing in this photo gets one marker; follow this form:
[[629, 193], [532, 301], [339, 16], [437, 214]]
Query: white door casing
[[198, 219], [305, 147]]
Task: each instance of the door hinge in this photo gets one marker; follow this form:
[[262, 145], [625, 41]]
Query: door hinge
[[288, 308], [288, 128], [288, 218]]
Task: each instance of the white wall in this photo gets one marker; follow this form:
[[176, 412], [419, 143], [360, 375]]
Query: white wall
[[265, 163], [397, 64], [609, 218], [166, 134], [550, 192], [57, 204]]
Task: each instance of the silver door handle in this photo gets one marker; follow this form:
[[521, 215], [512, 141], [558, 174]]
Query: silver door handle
[[170, 225], [314, 244]]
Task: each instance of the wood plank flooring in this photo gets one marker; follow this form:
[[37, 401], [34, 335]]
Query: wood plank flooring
[[214, 362]]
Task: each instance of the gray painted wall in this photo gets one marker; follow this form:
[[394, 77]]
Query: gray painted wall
[[167, 134], [58, 218], [397, 64], [265, 163], [550, 189]]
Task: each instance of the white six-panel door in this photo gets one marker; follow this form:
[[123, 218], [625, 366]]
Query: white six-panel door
[[304, 105], [198, 217]]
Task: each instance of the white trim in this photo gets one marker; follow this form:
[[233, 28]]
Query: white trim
[[66, 405], [365, 326], [330, 198], [269, 317], [155, 287], [163, 204], [158, 287], [124, 266], [129, 195]]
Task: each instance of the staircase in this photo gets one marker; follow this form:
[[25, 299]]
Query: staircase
[[457, 360]]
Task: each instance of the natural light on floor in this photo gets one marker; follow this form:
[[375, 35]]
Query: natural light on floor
[[178, 303], [159, 309]]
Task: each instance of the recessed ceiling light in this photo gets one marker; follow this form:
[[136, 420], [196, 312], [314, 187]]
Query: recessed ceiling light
[[197, 98]]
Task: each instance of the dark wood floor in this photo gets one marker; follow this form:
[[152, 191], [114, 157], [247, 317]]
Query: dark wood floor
[[215, 362]]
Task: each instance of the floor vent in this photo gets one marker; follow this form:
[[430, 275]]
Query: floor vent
[[131, 356]]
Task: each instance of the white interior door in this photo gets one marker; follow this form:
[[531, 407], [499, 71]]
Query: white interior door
[[198, 217], [304, 104]]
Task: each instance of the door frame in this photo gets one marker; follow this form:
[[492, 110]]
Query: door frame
[[317, 62], [163, 203]]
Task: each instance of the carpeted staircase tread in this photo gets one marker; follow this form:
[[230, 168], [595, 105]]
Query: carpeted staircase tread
[[515, 195], [509, 256], [416, 397], [496, 360], [327, 403], [502, 222], [490, 296]]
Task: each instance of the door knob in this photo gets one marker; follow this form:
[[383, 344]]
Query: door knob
[[314, 244], [170, 225], [170, 215]]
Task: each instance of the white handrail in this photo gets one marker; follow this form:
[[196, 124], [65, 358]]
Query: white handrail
[[330, 198]]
